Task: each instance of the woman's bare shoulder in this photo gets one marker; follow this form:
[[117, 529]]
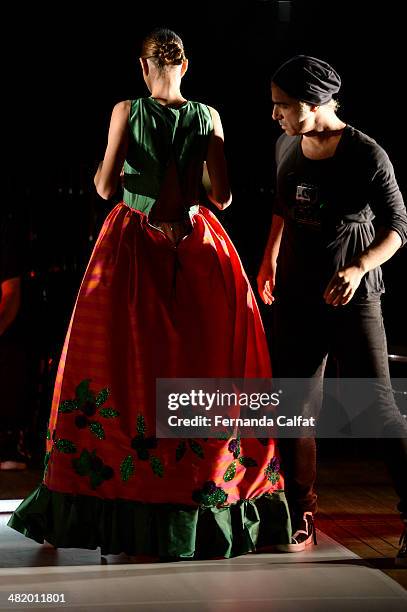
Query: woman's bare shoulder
[[213, 112], [122, 107]]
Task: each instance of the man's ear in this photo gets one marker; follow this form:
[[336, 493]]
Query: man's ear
[[184, 67], [313, 108], [144, 65]]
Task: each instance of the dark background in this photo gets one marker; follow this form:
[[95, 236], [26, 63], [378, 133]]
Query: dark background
[[66, 66]]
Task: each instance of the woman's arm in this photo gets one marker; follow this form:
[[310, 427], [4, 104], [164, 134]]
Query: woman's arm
[[219, 192], [108, 173]]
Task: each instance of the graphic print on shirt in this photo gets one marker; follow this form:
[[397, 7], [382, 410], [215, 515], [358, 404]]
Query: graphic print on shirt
[[307, 209]]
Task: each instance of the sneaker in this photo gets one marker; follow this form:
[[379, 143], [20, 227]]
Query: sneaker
[[304, 534], [401, 557]]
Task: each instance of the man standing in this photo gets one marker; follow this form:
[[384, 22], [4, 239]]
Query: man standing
[[322, 263]]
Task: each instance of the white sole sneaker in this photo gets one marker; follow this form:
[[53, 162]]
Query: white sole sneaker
[[293, 547], [300, 538]]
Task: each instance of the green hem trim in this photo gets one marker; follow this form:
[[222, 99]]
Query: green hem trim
[[163, 530]]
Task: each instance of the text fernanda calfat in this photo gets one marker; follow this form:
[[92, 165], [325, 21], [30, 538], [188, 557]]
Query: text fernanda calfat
[[220, 420]]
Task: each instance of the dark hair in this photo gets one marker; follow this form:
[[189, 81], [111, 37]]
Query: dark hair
[[164, 46]]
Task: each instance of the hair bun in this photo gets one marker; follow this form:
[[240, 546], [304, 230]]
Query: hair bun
[[170, 53], [165, 46]]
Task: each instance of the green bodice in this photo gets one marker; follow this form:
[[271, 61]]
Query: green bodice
[[160, 135]]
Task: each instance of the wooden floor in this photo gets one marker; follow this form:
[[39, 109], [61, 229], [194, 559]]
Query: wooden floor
[[356, 507]]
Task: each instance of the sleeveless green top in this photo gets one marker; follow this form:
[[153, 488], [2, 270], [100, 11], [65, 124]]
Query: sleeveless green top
[[161, 135]]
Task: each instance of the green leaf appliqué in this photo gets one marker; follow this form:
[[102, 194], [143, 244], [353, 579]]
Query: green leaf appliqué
[[68, 406], [82, 464], [97, 430], [127, 468], [157, 466], [247, 462], [180, 450], [230, 472], [108, 413], [65, 446], [83, 392], [141, 425], [196, 448], [102, 396]]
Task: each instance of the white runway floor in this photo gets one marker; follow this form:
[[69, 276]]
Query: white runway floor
[[325, 578]]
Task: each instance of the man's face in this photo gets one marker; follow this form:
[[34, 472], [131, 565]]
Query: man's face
[[294, 118]]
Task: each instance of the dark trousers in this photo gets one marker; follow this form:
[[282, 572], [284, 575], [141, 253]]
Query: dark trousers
[[302, 337]]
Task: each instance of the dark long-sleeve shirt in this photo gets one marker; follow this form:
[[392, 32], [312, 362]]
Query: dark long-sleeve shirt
[[328, 207]]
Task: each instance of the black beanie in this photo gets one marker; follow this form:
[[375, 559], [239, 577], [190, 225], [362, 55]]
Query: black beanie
[[308, 79]]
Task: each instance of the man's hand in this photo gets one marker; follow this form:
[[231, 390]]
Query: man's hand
[[342, 286], [267, 275], [265, 284]]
